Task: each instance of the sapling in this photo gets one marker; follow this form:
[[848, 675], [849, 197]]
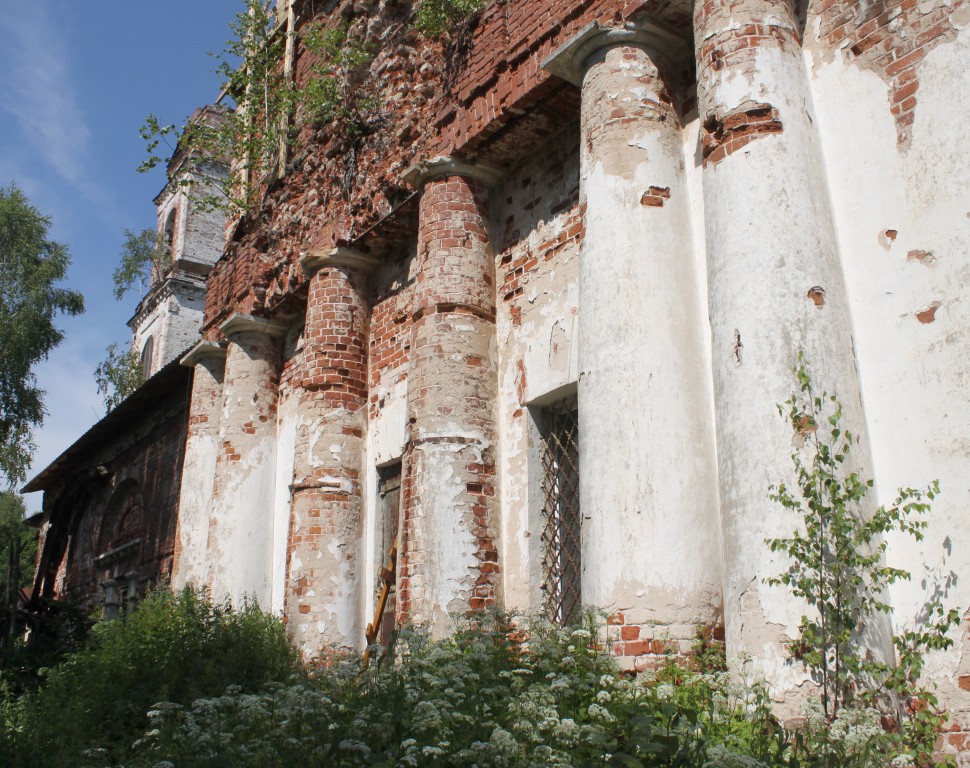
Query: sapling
[[838, 567]]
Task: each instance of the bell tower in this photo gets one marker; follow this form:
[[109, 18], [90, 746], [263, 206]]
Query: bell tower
[[191, 238]]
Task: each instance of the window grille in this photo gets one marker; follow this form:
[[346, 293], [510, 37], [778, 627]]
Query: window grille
[[560, 518]]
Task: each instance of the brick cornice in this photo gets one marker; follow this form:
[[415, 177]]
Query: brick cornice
[[424, 171], [313, 261], [201, 351], [240, 323], [569, 61]]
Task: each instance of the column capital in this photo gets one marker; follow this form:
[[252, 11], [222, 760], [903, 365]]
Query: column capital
[[569, 60], [424, 171], [313, 261], [202, 350], [240, 323]]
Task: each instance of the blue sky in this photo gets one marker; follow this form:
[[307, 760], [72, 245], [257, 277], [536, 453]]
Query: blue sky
[[77, 78]]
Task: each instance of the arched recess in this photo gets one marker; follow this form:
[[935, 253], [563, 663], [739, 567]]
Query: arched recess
[[147, 354], [168, 235], [119, 546]]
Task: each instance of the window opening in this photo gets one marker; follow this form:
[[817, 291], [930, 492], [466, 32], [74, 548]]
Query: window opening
[[146, 357], [168, 236], [119, 544], [561, 541]]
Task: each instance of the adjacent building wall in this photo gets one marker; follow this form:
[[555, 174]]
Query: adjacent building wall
[[111, 501]]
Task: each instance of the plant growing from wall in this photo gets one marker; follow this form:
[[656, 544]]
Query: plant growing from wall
[[118, 375], [143, 261], [435, 17], [339, 89], [838, 566], [250, 134]]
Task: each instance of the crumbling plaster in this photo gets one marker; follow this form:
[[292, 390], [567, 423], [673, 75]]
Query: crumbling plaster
[[667, 259], [903, 221]]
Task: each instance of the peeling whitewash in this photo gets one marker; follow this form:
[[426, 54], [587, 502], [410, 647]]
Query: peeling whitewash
[[537, 343], [671, 283], [903, 220], [287, 421], [647, 478]]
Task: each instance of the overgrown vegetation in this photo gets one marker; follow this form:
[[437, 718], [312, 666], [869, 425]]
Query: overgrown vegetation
[[435, 17], [191, 686], [175, 648], [260, 128], [838, 567], [268, 108], [250, 66], [118, 375], [339, 89]]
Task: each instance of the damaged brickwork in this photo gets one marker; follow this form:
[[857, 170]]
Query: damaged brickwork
[[890, 38], [583, 206]]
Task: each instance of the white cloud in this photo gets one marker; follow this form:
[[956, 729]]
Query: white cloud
[[37, 91]]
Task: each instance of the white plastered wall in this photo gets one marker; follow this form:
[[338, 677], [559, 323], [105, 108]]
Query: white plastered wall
[[537, 355], [903, 220]]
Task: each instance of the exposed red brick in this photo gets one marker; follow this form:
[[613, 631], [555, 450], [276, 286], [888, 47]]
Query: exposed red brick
[[725, 135], [928, 315], [890, 38]]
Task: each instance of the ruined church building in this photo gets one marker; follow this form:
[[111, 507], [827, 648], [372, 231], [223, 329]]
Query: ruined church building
[[533, 326]]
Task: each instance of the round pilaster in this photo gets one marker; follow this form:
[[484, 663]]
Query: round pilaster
[[648, 490], [190, 565], [323, 574], [241, 533], [449, 561], [775, 287]]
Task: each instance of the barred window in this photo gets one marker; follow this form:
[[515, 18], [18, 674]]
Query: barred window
[[560, 518]]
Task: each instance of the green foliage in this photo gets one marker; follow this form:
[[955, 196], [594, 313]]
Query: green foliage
[[493, 694], [16, 537], [18, 549], [30, 266], [62, 628], [176, 648], [181, 683], [250, 67], [838, 567], [118, 376], [338, 90], [142, 262], [434, 17]]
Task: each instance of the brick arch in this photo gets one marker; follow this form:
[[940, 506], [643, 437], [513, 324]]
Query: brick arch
[[124, 519]]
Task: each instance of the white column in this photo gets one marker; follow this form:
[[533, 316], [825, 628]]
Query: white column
[[776, 287], [240, 547], [208, 361], [648, 490]]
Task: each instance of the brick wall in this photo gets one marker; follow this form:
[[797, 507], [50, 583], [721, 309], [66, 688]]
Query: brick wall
[[390, 329], [84, 513], [437, 97]]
